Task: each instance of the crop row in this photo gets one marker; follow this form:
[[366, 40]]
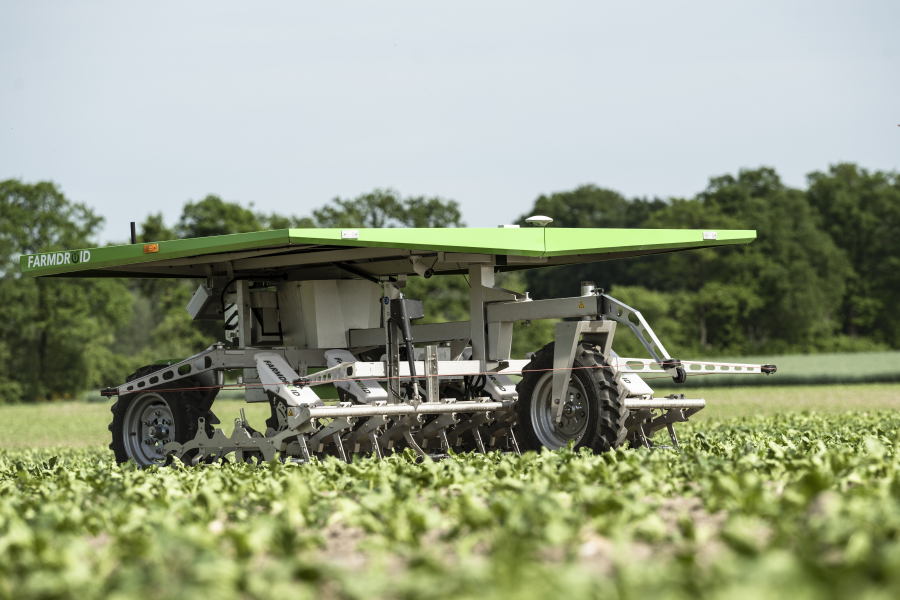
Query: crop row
[[798, 505]]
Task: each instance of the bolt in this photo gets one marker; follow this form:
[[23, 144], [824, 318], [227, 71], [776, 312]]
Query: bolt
[[556, 401], [156, 414], [148, 442]]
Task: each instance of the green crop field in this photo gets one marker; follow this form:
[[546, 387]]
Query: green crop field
[[796, 506], [777, 493], [82, 424]]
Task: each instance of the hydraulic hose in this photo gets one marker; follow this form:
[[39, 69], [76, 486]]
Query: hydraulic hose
[[407, 339]]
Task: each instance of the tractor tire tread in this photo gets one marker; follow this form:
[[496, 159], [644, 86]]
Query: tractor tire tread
[[195, 403], [610, 432]]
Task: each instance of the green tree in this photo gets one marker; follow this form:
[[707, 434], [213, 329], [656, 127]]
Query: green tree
[[154, 229], [277, 221], [793, 273], [664, 311], [780, 293], [214, 216], [592, 206], [709, 298], [55, 332], [386, 208], [861, 212]]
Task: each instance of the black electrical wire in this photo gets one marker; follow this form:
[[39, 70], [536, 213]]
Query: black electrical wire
[[390, 358], [227, 326], [353, 270], [222, 295], [464, 276], [473, 386]]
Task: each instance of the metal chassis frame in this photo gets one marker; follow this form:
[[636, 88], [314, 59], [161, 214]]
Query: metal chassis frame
[[218, 358], [645, 365], [567, 334], [493, 312]]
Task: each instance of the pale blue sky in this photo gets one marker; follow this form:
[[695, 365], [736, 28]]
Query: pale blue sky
[[137, 107]]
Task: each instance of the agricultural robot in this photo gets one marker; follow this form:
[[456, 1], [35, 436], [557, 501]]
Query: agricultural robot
[[302, 308]]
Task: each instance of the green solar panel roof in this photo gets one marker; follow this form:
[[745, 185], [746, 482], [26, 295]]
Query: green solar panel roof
[[313, 253]]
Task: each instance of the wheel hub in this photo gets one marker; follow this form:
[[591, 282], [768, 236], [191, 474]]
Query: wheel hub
[[574, 415], [158, 432], [148, 427]]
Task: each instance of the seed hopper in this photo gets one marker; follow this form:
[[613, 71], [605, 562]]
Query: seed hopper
[[302, 308]]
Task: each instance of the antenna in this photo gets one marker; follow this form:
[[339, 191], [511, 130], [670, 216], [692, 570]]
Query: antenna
[[133, 234]]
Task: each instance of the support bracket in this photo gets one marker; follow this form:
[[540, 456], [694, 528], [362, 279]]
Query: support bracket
[[619, 312], [431, 374], [565, 344]]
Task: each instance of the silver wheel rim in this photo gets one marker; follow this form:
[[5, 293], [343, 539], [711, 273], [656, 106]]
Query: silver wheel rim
[[576, 413], [148, 426]]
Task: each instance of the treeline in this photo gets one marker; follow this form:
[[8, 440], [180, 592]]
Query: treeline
[[822, 275], [819, 278]]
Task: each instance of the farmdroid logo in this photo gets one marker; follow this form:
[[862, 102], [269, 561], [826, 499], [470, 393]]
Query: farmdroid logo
[[74, 257]]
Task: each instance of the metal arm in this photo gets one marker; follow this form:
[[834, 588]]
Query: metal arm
[[616, 311]]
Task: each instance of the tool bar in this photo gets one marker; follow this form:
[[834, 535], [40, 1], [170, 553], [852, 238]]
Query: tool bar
[[691, 367], [424, 408], [663, 403]]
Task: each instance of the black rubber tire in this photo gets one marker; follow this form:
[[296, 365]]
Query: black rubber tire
[[605, 428], [187, 405]]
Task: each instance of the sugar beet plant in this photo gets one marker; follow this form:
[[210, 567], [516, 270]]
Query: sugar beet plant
[[793, 506]]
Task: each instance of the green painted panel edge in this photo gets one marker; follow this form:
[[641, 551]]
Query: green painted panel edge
[[133, 254], [566, 242], [522, 241], [526, 241]]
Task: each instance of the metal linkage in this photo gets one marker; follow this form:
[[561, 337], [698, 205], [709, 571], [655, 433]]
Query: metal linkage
[[425, 408], [620, 313], [343, 371], [376, 370], [647, 418], [353, 429], [327, 435], [432, 369], [215, 358], [673, 437], [692, 367], [663, 403]]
